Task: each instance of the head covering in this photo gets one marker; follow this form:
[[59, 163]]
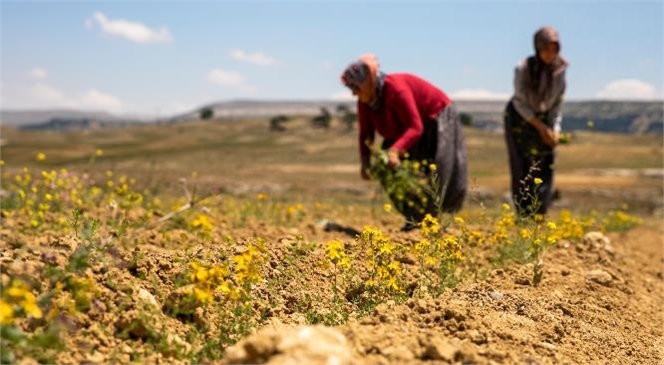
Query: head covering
[[364, 72], [540, 75], [546, 35]]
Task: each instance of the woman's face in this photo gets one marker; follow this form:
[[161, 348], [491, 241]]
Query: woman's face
[[549, 52], [363, 92]]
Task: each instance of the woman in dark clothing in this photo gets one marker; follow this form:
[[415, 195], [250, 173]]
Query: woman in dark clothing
[[415, 119], [532, 124]]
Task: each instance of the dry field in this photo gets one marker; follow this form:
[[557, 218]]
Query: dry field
[[223, 242]]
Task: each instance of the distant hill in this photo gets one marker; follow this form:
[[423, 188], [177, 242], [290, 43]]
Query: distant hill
[[606, 116], [251, 109], [18, 118]]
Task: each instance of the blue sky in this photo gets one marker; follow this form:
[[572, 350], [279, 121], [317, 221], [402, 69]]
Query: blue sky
[[158, 58]]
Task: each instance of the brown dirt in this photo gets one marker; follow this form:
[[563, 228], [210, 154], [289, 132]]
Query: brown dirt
[[599, 302]]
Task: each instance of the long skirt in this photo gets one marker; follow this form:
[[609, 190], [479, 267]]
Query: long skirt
[[442, 143], [531, 165]]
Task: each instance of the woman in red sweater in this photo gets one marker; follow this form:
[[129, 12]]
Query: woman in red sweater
[[417, 121]]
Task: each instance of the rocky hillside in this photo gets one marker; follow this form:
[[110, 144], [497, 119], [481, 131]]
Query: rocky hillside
[[604, 116]]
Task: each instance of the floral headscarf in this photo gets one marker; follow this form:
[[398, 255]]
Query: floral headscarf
[[364, 72]]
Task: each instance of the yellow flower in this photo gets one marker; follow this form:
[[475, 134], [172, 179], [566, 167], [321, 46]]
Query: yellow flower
[[392, 283], [203, 296], [537, 181], [387, 207], [31, 308], [344, 262], [458, 220], [6, 312], [525, 233], [394, 266], [430, 225], [262, 196], [386, 248], [433, 167], [201, 275], [224, 287], [40, 156], [202, 222]]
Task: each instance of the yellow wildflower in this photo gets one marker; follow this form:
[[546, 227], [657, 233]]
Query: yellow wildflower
[[31, 308], [202, 295], [6, 312]]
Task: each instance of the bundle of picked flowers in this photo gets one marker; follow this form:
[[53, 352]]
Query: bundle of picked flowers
[[408, 185]]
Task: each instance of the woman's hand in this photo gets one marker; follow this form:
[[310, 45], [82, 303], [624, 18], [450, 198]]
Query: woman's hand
[[393, 159], [549, 137]]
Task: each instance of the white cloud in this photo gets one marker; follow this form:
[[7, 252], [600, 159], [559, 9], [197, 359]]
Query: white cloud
[[232, 79], [38, 73], [342, 95], [97, 100], [628, 89], [133, 31], [177, 107], [225, 78], [478, 94], [46, 94], [42, 95], [256, 58]]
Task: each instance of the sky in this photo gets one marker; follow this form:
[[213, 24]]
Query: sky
[[157, 58]]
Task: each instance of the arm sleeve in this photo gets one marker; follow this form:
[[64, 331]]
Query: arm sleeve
[[366, 134], [520, 97], [556, 108], [406, 108]]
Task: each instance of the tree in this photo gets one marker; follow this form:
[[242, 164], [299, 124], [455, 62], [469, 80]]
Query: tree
[[342, 109], [276, 123], [323, 120], [347, 116], [466, 119], [206, 113]]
